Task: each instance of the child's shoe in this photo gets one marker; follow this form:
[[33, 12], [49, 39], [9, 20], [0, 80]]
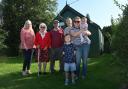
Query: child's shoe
[[66, 82], [76, 78], [83, 77], [73, 81], [24, 73]]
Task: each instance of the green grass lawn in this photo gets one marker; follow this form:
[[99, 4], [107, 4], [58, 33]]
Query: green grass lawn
[[103, 73]]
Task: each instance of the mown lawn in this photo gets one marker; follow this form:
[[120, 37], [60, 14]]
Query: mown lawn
[[103, 73]]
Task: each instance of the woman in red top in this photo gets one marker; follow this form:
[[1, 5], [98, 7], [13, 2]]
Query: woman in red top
[[42, 42]]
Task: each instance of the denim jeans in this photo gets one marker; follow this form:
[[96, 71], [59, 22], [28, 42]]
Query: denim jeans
[[27, 59], [82, 54]]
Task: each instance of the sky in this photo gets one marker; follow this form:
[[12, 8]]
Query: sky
[[100, 11]]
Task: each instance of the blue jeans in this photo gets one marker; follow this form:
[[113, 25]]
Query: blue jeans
[[69, 67], [27, 59], [82, 53]]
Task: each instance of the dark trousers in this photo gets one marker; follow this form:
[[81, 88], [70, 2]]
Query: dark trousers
[[56, 54], [27, 59]]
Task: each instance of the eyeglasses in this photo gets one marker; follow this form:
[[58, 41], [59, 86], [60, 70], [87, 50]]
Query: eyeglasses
[[76, 21], [42, 27]]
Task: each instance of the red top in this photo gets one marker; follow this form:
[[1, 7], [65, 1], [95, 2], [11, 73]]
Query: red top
[[43, 42], [57, 38]]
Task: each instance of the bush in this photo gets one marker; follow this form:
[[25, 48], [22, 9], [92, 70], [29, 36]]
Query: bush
[[120, 39], [107, 32], [120, 43], [2, 39]]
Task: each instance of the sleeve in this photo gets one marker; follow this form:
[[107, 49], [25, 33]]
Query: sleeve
[[33, 35], [74, 47], [62, 36], [71, 32], [36, 41], [63, 49], [49, 40], [22, 37], [65, 31]]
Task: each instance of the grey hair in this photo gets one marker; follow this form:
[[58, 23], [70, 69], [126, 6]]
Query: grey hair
[[42, 24]]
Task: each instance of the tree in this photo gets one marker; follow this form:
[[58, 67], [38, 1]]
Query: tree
[[120, 42], [2, 38], [16, 12]]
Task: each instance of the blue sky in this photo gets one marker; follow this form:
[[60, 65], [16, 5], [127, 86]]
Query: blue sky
[[100, 11]]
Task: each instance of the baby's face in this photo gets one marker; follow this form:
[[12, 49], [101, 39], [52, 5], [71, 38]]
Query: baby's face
[[84, 20]]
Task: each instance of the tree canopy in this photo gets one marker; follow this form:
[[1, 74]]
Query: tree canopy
[[16, 12]]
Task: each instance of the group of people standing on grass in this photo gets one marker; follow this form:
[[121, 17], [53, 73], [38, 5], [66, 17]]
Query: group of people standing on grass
[[69, 46]]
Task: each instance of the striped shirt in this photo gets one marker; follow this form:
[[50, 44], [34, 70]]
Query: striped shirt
[[77, 41], [67, 30]]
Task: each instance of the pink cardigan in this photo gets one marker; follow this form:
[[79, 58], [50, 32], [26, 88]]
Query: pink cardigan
[[27, 37]]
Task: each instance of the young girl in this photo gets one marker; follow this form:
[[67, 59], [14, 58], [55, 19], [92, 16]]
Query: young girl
[[69, 59], [42, 43]]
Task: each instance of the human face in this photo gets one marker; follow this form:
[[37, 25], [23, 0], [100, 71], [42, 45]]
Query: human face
[[69, 22], [56, 24], [42, 28], [84, 20], [67, 39], [27, 26], [77, 23]]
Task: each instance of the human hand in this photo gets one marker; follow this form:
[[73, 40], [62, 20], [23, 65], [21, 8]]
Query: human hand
[[87, 33], [45, 48], [84, 32], [63, 53], [81, 30]]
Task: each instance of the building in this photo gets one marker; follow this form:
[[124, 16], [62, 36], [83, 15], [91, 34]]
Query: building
[[97, 39]]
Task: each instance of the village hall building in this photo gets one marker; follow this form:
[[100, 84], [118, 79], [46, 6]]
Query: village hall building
[[97, 39]]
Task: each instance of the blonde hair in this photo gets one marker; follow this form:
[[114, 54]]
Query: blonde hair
[[84, 18], [68, 19], [27, 22]]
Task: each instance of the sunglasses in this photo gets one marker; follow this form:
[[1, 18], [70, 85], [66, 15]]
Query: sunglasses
[[76, 21], [42, 27]]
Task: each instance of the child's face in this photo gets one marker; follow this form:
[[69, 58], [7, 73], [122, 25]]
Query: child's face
[[84, 20], [69, 22], [67, 38]]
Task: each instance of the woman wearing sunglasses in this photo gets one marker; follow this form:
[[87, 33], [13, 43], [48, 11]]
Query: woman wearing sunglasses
[[42, 43]]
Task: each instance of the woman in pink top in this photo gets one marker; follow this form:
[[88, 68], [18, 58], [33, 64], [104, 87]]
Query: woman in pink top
[[27, 37]]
